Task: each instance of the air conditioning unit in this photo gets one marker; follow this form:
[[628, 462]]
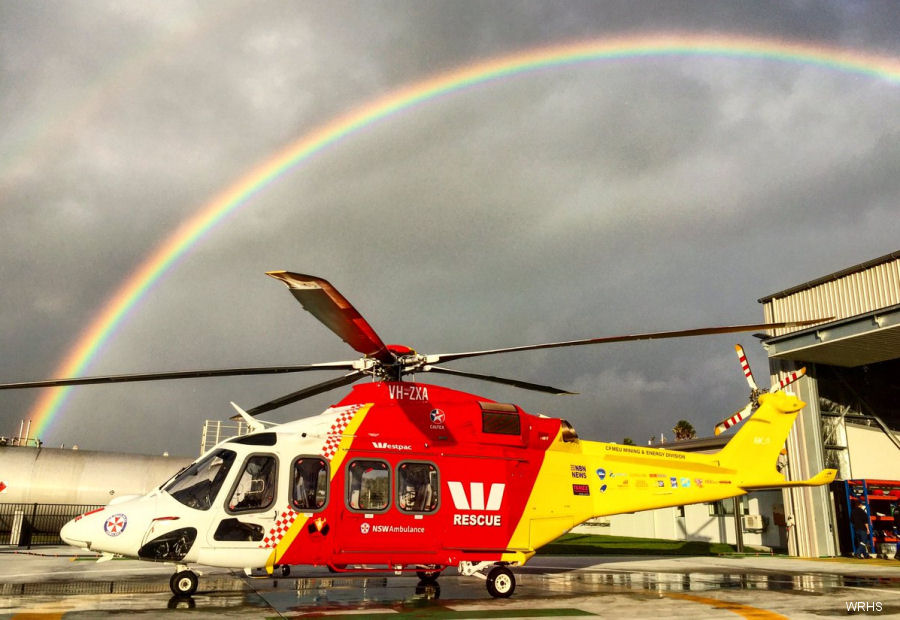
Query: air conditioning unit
[[753, 522]]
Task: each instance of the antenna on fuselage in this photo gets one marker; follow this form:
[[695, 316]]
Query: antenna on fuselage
[[253, 423]]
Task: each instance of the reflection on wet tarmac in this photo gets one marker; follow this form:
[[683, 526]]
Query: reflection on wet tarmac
[[547, 592]]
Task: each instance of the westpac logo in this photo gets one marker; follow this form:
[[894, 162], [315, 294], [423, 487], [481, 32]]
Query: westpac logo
[[475, 502], [391, 446]]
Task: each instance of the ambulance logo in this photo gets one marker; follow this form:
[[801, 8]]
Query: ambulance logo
[[115, 525], [475, 502]]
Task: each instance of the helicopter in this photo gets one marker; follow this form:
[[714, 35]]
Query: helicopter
[[408, 477]]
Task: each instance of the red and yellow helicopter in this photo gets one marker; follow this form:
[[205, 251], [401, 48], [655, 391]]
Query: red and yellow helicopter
[[407, 476]]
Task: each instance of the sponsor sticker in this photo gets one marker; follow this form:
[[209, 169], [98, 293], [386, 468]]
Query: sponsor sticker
[[381, 445], [601, 473], [579, 471], [478, 502], [581, 489]]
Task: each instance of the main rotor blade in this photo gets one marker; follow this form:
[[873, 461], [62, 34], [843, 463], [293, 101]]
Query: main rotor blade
[[325, 303], [514, 382], [306, 392], [181, 374], [702, 331]]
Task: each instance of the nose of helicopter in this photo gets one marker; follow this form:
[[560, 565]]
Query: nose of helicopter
[[77, 532], [115, 528]]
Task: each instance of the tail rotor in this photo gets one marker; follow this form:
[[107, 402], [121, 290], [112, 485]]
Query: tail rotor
[[755, 391]]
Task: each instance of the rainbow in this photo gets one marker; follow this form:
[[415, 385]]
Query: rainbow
[[205, 219]]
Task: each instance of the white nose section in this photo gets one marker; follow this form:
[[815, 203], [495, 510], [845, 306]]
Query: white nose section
[[73, 533]]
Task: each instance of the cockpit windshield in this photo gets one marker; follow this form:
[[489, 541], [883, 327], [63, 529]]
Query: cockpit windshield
[[198, 485]]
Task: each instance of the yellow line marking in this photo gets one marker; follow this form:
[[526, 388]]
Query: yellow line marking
[[745, 611]]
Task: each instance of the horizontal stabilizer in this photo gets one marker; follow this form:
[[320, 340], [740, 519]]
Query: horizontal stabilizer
[[823, 477]]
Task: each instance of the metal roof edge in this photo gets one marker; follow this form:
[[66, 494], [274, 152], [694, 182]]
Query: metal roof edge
[[834, 276], [871, 315]]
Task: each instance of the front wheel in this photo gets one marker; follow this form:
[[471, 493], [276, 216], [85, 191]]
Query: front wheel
[[500, 582], [184, 583]]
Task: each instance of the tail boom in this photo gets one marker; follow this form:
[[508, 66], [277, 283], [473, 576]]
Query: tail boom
[[585, 479]]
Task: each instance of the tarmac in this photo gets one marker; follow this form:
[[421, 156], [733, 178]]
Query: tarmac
[[60, 582]]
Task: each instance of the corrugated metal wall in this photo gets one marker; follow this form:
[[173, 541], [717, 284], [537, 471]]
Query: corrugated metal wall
[[870, 289]]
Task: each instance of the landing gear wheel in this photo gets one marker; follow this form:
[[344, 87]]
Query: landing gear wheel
[[500, 582], [285, 570], [428, 576], [184, 583]]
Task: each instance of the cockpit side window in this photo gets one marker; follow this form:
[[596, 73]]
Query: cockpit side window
[[417, 487], [309, 484], [198, 485], [369, 485], [255, 488]]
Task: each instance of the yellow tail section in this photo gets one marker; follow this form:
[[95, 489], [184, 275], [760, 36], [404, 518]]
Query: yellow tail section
[[584, 479], [754, 450]]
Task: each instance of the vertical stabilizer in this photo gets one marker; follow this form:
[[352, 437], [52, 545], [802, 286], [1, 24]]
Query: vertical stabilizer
[[755, 449]]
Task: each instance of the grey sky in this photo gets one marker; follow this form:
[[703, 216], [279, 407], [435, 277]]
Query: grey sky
[[594, 199]]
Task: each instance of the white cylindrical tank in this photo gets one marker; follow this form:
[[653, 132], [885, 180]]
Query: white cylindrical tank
[[58, 476]]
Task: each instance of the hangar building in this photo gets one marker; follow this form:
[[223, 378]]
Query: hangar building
[[850, 423], [852, 389]]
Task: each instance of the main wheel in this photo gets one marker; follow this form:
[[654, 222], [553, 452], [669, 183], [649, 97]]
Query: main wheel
[[285, 570], [428, 576], [500, 582], [184, 583]]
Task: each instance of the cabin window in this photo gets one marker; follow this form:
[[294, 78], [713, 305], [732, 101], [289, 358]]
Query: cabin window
[[369, 486], [309, 487], [198, 485], [255, 488], [417, 487], [234, 530], [256, 439]]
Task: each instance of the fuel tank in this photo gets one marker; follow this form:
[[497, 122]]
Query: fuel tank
[[60, 476]]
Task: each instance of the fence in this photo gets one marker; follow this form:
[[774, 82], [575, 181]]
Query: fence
[[27, 525]]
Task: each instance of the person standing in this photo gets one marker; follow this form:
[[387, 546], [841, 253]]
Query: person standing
[[859, 521]]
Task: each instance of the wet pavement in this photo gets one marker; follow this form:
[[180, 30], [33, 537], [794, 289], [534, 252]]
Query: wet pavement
[[56, 583]]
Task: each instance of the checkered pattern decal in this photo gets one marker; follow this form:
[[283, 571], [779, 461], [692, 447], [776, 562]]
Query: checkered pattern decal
[[329, 448], [336, 432], [282, 525]]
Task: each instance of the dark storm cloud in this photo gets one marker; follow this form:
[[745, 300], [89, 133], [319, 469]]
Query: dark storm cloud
[[586, 200]]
